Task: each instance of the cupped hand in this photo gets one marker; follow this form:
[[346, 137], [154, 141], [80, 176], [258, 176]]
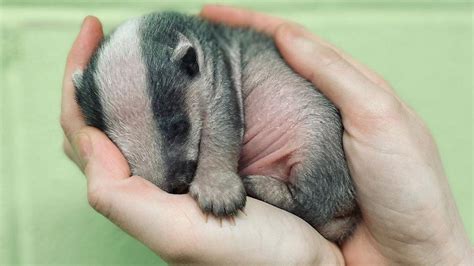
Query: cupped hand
[[173, 226], [409, 215]]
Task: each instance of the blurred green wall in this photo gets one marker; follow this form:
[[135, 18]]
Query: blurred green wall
[[423, 48]]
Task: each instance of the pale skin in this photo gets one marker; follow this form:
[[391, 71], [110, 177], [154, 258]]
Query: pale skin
[[409, 214]]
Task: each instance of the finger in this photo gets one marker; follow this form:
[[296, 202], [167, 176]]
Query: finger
[[67, 148], [86, 42], [241, 18], [71, 153], [245, 18], [347, 87], [366, 71], [133, 203], [102, 161]]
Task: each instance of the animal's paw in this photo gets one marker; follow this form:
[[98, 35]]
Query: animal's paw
[[221, 194]]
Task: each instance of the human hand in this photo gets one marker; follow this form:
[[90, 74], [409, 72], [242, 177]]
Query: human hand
[[409, 214], [173, 226]]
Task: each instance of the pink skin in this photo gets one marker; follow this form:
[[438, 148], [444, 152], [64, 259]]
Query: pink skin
[[271, 136]]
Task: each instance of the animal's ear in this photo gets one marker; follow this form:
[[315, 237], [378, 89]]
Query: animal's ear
[[77, 79], [185, 55], [189, 62]]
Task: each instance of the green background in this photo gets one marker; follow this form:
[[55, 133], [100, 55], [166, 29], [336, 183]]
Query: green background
[[423, 48]]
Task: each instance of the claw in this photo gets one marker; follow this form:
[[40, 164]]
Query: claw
[[232, 220], [221, 201]]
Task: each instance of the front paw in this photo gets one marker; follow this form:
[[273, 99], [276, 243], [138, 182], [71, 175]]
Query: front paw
[[221, 194]]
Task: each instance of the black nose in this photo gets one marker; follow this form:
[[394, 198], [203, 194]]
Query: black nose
[[180, 175], [179, 190]]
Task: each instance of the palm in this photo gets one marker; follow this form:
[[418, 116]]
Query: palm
[[253, 234], [383, 152], [171, 224]]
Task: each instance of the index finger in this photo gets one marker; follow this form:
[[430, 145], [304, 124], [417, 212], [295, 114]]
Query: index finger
[[241, 18], [268, 24]]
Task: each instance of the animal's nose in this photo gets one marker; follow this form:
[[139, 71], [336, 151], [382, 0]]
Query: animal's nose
[[180, 176], [179, 190]]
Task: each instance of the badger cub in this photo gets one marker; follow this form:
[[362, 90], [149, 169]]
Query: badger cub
[[215, 111]]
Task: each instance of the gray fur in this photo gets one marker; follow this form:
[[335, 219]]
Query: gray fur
[[179, 96]]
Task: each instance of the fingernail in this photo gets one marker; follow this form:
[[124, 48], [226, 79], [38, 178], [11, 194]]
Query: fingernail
[[83, 148], [85, 20]]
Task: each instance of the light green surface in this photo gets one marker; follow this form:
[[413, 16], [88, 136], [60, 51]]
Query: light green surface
[[424, 49]]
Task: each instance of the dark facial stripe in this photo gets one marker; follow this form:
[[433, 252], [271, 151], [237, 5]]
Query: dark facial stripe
[[88, 96], [167, 89]]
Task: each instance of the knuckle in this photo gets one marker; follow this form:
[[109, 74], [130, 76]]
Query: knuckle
[[382, 105], [384, 111], [382, 82], [95, 197], [388, 105], [328, 56], [63, 121], [67, 148], [327, 59]]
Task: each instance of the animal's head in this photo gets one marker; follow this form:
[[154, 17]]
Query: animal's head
[[143, 87]]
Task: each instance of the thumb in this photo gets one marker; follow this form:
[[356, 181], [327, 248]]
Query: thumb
[[99, 158]]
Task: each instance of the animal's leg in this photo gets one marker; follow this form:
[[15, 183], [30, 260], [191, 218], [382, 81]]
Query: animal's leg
[[217, 187], [323, 212], [270, 190]]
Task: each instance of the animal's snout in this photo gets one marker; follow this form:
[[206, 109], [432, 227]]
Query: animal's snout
[[179, 190], [180, 176]]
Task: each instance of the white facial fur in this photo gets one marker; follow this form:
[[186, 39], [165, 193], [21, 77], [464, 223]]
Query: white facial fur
[[127, 107]]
